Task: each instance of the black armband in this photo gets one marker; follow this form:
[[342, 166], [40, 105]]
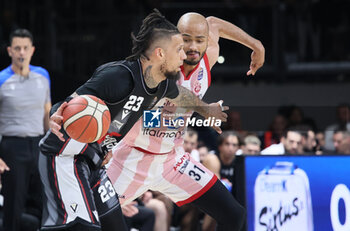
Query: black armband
[[55, 107], [94, 155], [69, 98], [108, 142]]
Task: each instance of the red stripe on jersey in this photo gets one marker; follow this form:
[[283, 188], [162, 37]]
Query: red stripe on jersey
[[82, 188], [84, 149], [65, 144], [206, 61], [189, 75], [148, 152], [58, 191], [110, 134], [98, 183], [199, 193]]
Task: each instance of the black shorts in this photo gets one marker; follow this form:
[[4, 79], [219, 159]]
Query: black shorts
[[74, 193]]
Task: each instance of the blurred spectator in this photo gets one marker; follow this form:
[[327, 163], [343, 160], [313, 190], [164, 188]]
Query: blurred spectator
[[320, 140], [203, 152], [343, 123], [169, 206], [159, 209], [228, 145], [337, 139], [138, 216], [308, 138], [309, 141], [209, 159], [295, 116], [222, 167], [276, 130], [251, 145], [344, 146], [234, 123], [190, 144], [290, 144], [340, 139]]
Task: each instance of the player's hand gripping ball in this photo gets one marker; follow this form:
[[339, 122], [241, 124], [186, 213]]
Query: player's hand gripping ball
[[86, 118]]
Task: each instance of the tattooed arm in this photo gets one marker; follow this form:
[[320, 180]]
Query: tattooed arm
[[186, 99]]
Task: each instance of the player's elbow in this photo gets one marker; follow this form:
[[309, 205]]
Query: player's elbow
[[259, 46], [214, 24], [212, 21]]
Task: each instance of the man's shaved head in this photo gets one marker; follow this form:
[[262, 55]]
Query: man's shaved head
[[195, 32], [193, 21]]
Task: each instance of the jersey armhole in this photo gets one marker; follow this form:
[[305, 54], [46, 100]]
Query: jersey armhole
[[206, 61], [133, 79]]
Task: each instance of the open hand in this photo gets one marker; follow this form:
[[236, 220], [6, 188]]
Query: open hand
[[257, 60], [216, 110], [55, 121]]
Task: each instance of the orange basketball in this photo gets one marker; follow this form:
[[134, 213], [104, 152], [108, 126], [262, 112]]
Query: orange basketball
[[86, 118]]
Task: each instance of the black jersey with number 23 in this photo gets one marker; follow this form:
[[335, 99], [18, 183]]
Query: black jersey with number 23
[[122, 87]]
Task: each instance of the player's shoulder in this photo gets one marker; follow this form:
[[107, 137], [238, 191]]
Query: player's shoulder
[[5, 74], [117, 67], [210, 158], [273, 149], [39, 70], [114, 72]]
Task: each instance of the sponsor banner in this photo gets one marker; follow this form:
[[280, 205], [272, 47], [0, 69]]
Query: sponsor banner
[[154, 119], [282, 199], [306, 193]]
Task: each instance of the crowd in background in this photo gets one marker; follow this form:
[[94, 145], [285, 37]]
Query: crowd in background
[[289, 134], [295, 133]]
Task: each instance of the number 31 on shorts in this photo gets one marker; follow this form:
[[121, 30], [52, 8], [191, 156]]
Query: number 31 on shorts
[[197, 173]]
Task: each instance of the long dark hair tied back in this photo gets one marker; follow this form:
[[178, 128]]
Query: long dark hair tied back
[[155, 26]]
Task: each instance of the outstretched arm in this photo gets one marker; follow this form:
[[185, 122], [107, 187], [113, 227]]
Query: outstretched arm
[[186, 99], [219, 28]]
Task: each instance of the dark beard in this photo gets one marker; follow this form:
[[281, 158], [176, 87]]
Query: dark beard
[[174, 75], [193, 63], [171, 75]]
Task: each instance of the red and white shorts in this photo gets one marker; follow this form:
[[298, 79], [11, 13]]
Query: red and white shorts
[[133, 171]]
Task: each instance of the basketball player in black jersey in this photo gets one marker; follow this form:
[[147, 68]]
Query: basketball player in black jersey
[[78, 193]]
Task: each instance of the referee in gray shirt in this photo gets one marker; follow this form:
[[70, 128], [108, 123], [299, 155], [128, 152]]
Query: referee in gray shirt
[[24, 112]]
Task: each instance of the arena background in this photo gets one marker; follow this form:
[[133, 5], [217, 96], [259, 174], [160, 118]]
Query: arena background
[[307, 48]]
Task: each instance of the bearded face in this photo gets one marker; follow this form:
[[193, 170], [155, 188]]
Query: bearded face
[[170, 73], [193, 57]]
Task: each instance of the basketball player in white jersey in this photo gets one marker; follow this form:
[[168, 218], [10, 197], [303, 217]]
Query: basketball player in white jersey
[[153, 158]]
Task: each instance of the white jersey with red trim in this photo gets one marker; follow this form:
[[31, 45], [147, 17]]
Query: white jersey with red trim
[[170, 134]]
